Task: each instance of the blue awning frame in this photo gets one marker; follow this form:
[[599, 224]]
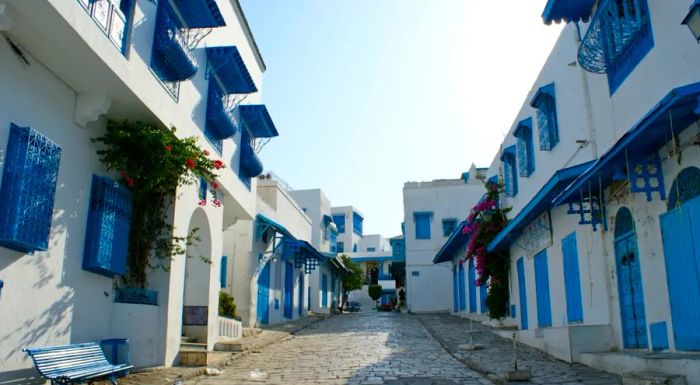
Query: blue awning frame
[[567, 10], [681, 106], [541, 202], [200, 13], [456, 240], [226, 62], [263, 223], [547, 90], [256, 119]]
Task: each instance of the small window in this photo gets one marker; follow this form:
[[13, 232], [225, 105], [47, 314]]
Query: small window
[[340, 222], [340, 247], [526, 154], [354, 248], [547, 123], [422, 221], [448, 226], [371, 249], [510, 175]]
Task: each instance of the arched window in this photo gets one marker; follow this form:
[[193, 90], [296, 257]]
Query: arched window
[[624, 224], [684, 188]]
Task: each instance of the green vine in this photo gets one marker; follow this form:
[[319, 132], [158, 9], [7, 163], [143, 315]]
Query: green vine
[[152, 163]]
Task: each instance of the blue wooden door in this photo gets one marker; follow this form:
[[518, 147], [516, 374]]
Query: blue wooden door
[[288, 290], [629, 282], [680, 229], [263, 308], [472, 286], [324, 290], [544, 304], [301, 292], [522, 293], [455, 289], [572, 279], [462, 288], [482, 297]]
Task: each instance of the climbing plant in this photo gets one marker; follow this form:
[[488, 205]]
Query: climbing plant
[[152, 162], [486, 219]]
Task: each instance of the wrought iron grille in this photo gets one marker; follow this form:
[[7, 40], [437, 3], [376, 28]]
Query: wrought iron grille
[[547, 122], [28, 190]]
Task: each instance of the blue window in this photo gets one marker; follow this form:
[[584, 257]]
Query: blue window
[[28, 189], [108, 224], [371, 249], [113, 17], [340, 222], [545, 103], [202, 190], [340, 247], [572, 279], [357, 223], [618, 38], [522, 294], [224, 271], [526, 151], [422, 221], [448, 226], [354, 247], [324, 290], [544, 306], [510, 173]]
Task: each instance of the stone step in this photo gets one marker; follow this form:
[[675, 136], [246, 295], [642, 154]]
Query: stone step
[[185, 339], [652, 378], [202, 358], [685, 365], [247, 332], [193, 346], [229, 346]]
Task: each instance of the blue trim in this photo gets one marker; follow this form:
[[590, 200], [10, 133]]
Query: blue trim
[[510, 171], [643, 139], [250, 165], [448, 226], [522, 293], [537, 205], [525, 147], [339, 220], [229, 67], [456, 240], [423, 221], [544, 304], [171, 59], [220, 123], [546, 104], [659, 336], [567, 10], [263, 223], [200, 13], [572, 279], [256, 119], [223, 272]]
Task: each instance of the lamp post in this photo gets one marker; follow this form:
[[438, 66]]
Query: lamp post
[[692, 20]]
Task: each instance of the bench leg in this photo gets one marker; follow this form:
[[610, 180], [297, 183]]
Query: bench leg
[[113, 379]]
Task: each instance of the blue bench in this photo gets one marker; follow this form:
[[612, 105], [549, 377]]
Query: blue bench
[[74, 364]]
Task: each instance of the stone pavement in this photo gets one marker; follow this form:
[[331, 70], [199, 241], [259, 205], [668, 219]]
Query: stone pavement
[[497, 357], [364, 348]]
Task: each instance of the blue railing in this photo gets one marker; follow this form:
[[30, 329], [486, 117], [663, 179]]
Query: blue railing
[[220, 123], [172, 59], [110, 18], [109, 220], [251, 166], [28, 189]]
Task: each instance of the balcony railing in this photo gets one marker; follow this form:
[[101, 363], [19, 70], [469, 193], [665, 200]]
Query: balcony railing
[[230, 328], [172, 58], [109, 18]]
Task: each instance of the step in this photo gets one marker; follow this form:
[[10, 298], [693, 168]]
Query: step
[[247, 332], [230, 346], [685, 365], [193, 346], [203, 358], [185, 339], [652, 378]]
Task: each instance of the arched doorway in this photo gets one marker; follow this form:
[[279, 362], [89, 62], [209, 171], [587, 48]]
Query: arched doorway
[[680, 230], [195, 312], [629, 282]]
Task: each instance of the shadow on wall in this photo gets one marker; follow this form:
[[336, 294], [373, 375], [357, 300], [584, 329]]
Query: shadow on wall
[[21, 377]]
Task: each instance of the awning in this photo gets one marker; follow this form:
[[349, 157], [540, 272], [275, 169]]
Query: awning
[[200, 13], [675, 112], [257, 120], [510, 150], [264, 223], [540, 203], [567, 10], [547, 90], [229, 67], [456, 240]]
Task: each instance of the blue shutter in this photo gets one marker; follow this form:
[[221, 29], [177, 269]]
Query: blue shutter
[[525, 147], [472, 286], [339, 222], [28, 189], [522, 292], [263, 305], [109, 220], [544, 306], [572, 280], [422, 221], [288, 290], [482, 297], [224, 271], [324, 290], [462, 288], [455, 288]]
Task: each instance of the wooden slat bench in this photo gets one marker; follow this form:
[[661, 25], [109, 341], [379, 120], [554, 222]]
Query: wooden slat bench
[[74, 364]]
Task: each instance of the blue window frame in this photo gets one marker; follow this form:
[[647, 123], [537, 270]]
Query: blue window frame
[[522, 294], [28, 188], [340, 247], [448, 226], [618, 38], [113, 17], [422, 221], [108, 224], [202, 190], [371, 249], [526, 151], [544, 305], [357, 223], [224, 271], [546, 105], [510, 173], [339, 222]]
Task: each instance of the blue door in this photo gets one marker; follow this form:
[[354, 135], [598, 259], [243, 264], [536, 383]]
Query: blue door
[[544, 304], [482, 297], [522, 293], [462, 288], [455, 289], [629, 282], [572, 279], [472, 286], [263, 308], [301, 292], [324, 290], [680, 229], [288, 290]]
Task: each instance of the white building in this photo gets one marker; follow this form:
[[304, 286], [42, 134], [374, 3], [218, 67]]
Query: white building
[[348, 221], [431, 212], [601, 238], [66, 66]]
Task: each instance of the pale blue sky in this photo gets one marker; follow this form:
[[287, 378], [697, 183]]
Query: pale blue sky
[[369, 94]]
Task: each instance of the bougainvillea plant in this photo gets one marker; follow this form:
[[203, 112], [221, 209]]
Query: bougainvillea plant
[[152, 162], [486, 219]]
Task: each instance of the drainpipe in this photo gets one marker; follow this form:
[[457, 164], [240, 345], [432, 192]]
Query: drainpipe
[[587, 99]]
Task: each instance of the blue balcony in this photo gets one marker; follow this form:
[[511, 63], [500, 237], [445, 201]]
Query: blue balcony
[[28, 189], [220, 122], [172, 59], [567, 10], [251, 166]]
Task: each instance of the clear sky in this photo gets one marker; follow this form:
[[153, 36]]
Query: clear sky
[[369, 94]]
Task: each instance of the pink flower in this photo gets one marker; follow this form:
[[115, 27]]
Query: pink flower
[[215, 185], [219, 164], [216, 203], [203, 202], [190, 163]]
